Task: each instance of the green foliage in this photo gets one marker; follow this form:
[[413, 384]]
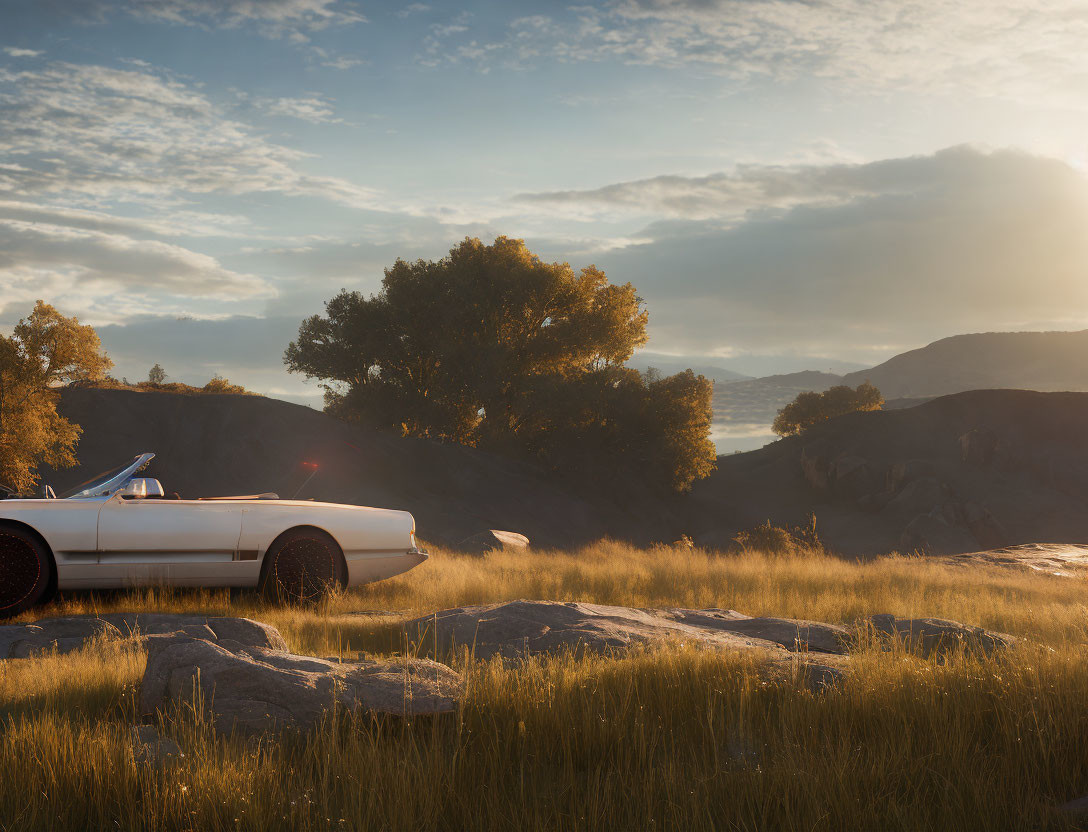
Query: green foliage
[[810, 408], [494, 348], [45, 350], [156, 375]]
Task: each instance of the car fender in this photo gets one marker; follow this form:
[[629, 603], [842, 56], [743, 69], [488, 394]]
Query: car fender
[[359, 531]]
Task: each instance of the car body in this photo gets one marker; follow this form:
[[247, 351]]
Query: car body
[[119, 530]]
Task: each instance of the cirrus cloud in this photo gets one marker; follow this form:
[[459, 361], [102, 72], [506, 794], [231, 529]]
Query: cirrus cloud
[[95, 133]]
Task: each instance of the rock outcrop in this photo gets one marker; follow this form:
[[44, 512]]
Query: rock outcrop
[[243, 631], [933, 534], [493, 540], [819, 652], [1067, 560], [517, 629], [252, 689], [64, 635], [930, 635]]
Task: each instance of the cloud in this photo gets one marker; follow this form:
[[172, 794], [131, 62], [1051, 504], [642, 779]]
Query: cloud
[[16, 52], [94, 133], [316, 109], [1002, 48], [110, 264], [273, 18], [343, 63], [762, 188], [413, 8], [904, 251], [177, 223]]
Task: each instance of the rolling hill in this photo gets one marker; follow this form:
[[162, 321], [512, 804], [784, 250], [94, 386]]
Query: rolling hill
[[1046, 361], [970, 471], [209, 445]]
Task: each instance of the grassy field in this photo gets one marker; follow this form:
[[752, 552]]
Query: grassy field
[[673, 738]]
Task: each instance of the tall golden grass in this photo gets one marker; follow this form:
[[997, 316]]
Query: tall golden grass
[[669, 738]]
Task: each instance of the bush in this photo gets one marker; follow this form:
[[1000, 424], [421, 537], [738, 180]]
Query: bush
[[811, 408], [783, 540]]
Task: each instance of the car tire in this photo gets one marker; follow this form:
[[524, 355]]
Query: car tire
[[302, 566], [25, 571]]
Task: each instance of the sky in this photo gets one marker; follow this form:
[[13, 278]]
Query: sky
[[789, 185]]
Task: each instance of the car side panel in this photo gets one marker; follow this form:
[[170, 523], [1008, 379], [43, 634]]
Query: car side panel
[[170, 542], [377, 543], [69, 528]]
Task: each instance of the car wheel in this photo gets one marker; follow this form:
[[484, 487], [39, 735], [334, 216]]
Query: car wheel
[[302, 566], [24, 571]]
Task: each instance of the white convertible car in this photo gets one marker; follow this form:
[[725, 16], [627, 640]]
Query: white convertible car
[[120, 530]]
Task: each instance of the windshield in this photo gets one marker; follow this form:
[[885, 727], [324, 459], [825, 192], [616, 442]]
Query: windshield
[[109, 480]]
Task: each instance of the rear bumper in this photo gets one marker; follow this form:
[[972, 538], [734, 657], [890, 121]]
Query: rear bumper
[[366, 567]]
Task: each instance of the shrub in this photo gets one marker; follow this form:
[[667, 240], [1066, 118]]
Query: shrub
[[811, 408]]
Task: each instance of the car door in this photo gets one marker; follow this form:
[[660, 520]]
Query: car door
[[183, 542]]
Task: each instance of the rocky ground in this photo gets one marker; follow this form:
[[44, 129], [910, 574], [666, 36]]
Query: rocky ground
[[249, 683]]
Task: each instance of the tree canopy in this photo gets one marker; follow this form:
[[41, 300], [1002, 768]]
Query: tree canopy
[[45, 350], [493, 347], [811, 408]]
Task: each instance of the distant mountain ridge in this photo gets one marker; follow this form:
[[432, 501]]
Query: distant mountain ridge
[[1044, 361]]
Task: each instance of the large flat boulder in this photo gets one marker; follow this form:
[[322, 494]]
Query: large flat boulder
[[67, 634], [521, 628], [930, 635], [211, 628], [1067, 560], [250, 690]]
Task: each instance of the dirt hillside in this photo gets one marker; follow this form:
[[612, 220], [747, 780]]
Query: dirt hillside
[[976, 470], [217, 445]]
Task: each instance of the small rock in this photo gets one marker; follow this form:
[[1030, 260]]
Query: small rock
[[493, 540], [1077, 808], [19, 641], [64, 635], [252, 689], [150, 747], [213, 628], [940, 634]]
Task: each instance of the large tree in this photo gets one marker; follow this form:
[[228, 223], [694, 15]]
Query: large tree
[[493, 347], [45, 351]]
